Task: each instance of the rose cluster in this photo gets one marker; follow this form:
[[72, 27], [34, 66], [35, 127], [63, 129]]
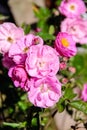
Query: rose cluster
[[33, 65], [75, 22]]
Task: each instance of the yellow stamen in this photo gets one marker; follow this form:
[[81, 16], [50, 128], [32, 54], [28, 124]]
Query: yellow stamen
[[64, 42]]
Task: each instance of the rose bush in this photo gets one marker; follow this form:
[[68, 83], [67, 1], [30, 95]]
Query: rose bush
[[45, 65]]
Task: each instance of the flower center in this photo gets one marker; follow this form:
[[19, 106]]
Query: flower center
[[73, 28], [72, 7], [26, 49], [9, 39], [44, 88], [41, 64], [64, 42]]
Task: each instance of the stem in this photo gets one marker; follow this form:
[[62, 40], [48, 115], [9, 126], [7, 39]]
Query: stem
[[2, 113], [38, 122]]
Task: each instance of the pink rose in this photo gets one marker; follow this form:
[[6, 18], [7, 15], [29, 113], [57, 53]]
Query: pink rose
[[72, 8], [19, 76], [9, 34], [7, 61], [42, 61], [84, 93], [77, 28], [19, 50], [45, 92], [65, 45]]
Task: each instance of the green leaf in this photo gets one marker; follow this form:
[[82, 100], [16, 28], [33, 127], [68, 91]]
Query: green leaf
[[42, 13], [26, 28], [58, 2], [51, 29], [34, 121], [15, 125], [79, 105], [61, 105], [43, 26], [69, 94], [46, 36], [22, 105], [80, 63]]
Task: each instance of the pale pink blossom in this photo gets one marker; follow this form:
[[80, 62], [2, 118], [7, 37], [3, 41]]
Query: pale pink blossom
[[9, 34], [19, 50], [19, 76], [65, 45], [42, 61], [77, 28], [72, 8], [84, 93], [45, 92]]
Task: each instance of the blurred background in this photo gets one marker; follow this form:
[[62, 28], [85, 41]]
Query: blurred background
[[20, 11]]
